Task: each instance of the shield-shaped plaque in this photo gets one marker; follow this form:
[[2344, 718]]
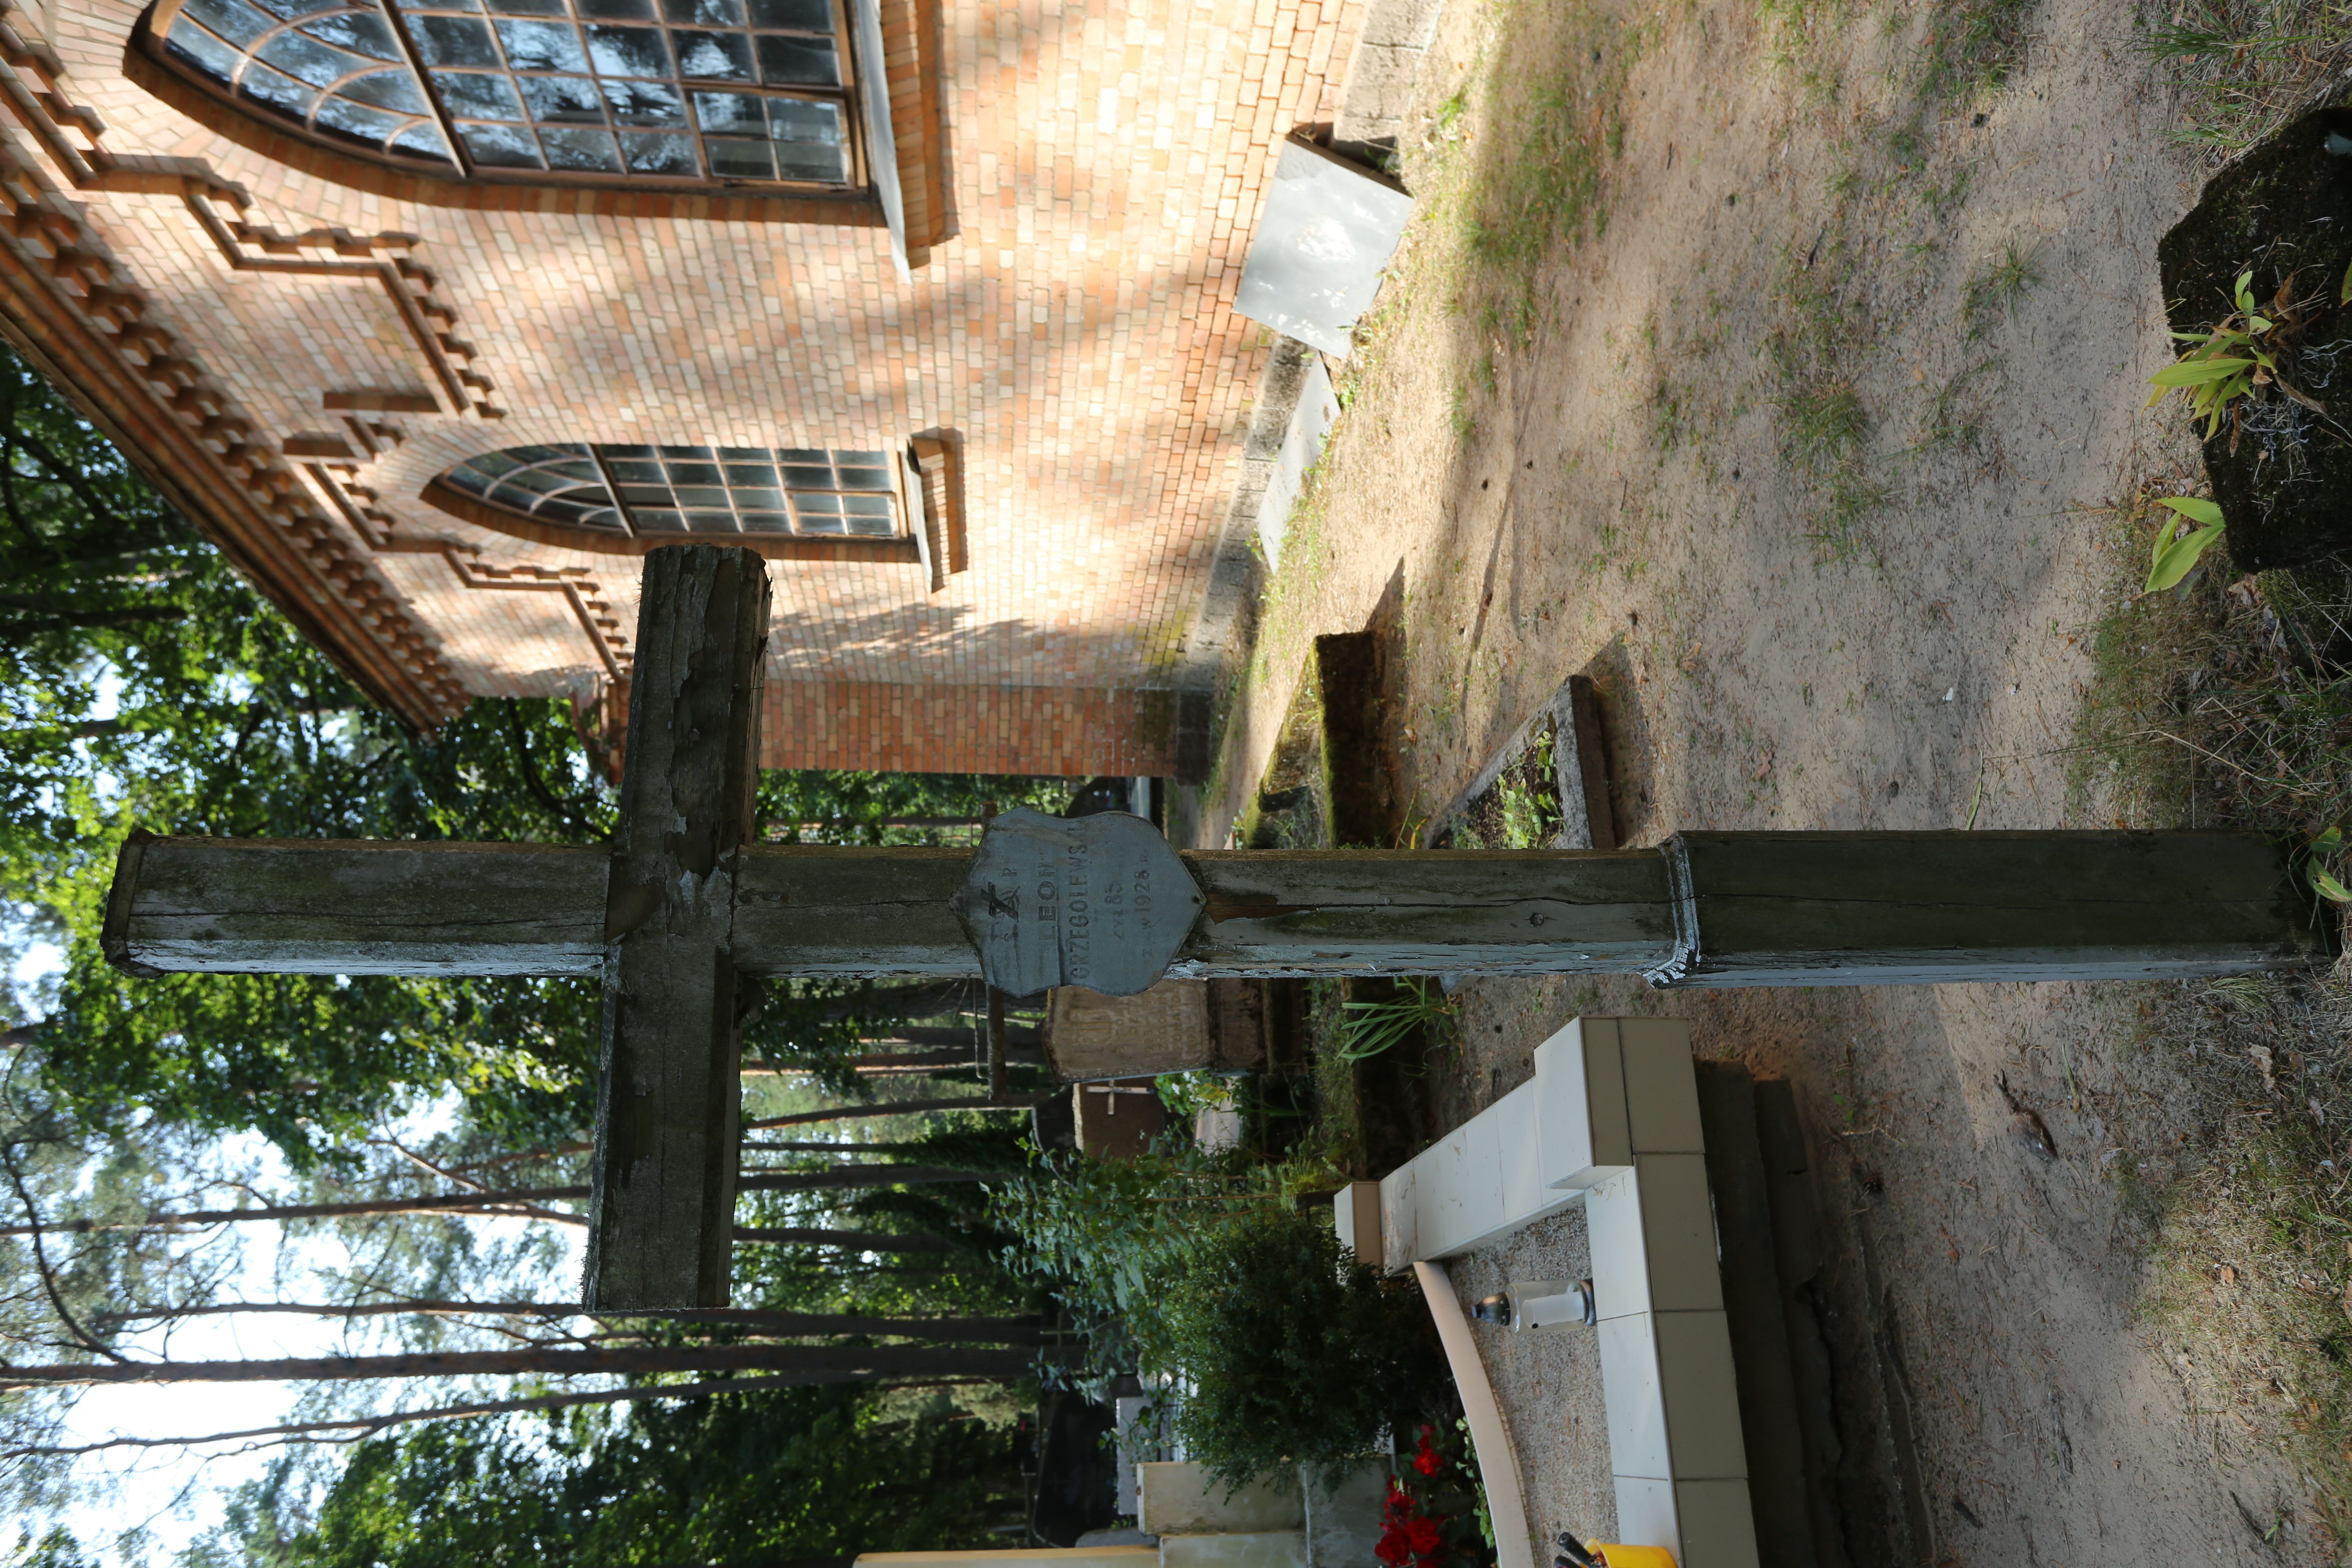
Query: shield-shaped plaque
[[1102, 901]]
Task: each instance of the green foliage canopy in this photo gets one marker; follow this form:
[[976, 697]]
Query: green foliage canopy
[[143, 682], [776, 1475], [1298, 1354], [1203, 1266]]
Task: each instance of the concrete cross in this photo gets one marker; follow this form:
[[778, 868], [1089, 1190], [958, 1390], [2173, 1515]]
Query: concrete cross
[[683, 907]]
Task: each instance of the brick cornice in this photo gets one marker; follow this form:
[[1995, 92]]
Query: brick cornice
[[250, 507]]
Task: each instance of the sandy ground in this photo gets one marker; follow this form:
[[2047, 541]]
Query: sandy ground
[[1548, 1381], [1625, 507]]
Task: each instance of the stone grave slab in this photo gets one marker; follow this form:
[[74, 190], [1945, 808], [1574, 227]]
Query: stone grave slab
[[1311, 418], [1176, 1025], [1328, 230]]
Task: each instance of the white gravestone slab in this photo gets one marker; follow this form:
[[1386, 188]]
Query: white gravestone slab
[[1328, 230], [1611, 1119], [1317, 411], [1102, 901]]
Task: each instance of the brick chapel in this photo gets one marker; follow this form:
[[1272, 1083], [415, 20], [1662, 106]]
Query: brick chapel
[[438, 314]]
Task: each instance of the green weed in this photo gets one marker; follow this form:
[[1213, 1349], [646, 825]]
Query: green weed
[[1530, 814], [1374, 1027], [1951, 419], [1824, 428], [1994, 289]]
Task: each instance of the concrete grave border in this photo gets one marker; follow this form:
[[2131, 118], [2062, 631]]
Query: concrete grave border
[[1611, 1118]]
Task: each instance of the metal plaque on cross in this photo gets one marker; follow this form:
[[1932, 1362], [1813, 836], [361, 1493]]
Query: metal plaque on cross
[[1102, 901]]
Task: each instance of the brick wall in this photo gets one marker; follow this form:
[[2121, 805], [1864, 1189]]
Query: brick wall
[[1098, 169], [890, 725]]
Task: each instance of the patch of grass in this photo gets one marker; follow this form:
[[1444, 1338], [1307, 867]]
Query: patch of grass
[[1514, 165], [2220, 702], [1823, 420], [1951, 422], [2246, 66], [2250, 1273], [1944, 196], [1824, 425], [1993, 289], [1973, 47], [2229, 703], [1459, 416], [1906, 149], [1670, 414], [1799, 34]]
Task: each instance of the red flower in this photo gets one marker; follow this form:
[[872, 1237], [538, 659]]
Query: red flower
[[1423, 1537], [1427, 1463]]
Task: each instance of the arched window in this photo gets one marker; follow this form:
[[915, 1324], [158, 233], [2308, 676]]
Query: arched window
[[613, 498], [727, 91]]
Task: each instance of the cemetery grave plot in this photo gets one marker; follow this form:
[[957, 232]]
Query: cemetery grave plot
[[2266, 255], [1549, 1384], [1622, 488], [1734, 1430], [1548, 787]]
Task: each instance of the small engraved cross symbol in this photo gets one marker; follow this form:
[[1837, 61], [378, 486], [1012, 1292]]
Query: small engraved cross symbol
[[1005, 904]]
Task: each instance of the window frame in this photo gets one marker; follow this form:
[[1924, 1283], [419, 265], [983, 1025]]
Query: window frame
[[910, 545], [258, 124]]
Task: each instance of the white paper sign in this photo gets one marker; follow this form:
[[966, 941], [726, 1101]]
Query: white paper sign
[[1102, 901]]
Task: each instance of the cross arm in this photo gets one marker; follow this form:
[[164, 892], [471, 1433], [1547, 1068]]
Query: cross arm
[[293, 906], [1710, 910]]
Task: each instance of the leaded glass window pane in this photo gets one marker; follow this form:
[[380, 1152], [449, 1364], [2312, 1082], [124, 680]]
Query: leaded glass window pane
[[725, 90], [689, 490], [335, 65]]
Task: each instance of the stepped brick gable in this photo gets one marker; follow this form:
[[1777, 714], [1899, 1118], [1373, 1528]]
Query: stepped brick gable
[[437, 315]]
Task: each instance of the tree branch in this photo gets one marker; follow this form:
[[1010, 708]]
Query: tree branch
[[358, 1428], [528, 766], [638, 1360], [897, 1108], [62, 621], [977, 1331], [88, 1341], [525, 1201]]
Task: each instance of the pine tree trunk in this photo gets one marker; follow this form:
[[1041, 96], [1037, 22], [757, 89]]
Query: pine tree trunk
[[630, 1361], [526, 1199]]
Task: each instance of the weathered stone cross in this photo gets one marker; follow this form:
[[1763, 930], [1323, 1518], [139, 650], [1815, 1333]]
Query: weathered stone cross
[[683, 907]]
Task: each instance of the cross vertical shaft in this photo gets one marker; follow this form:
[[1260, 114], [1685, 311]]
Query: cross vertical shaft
[[662, 1198]]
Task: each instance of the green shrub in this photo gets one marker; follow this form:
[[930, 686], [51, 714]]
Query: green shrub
[[1296, 1353]]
